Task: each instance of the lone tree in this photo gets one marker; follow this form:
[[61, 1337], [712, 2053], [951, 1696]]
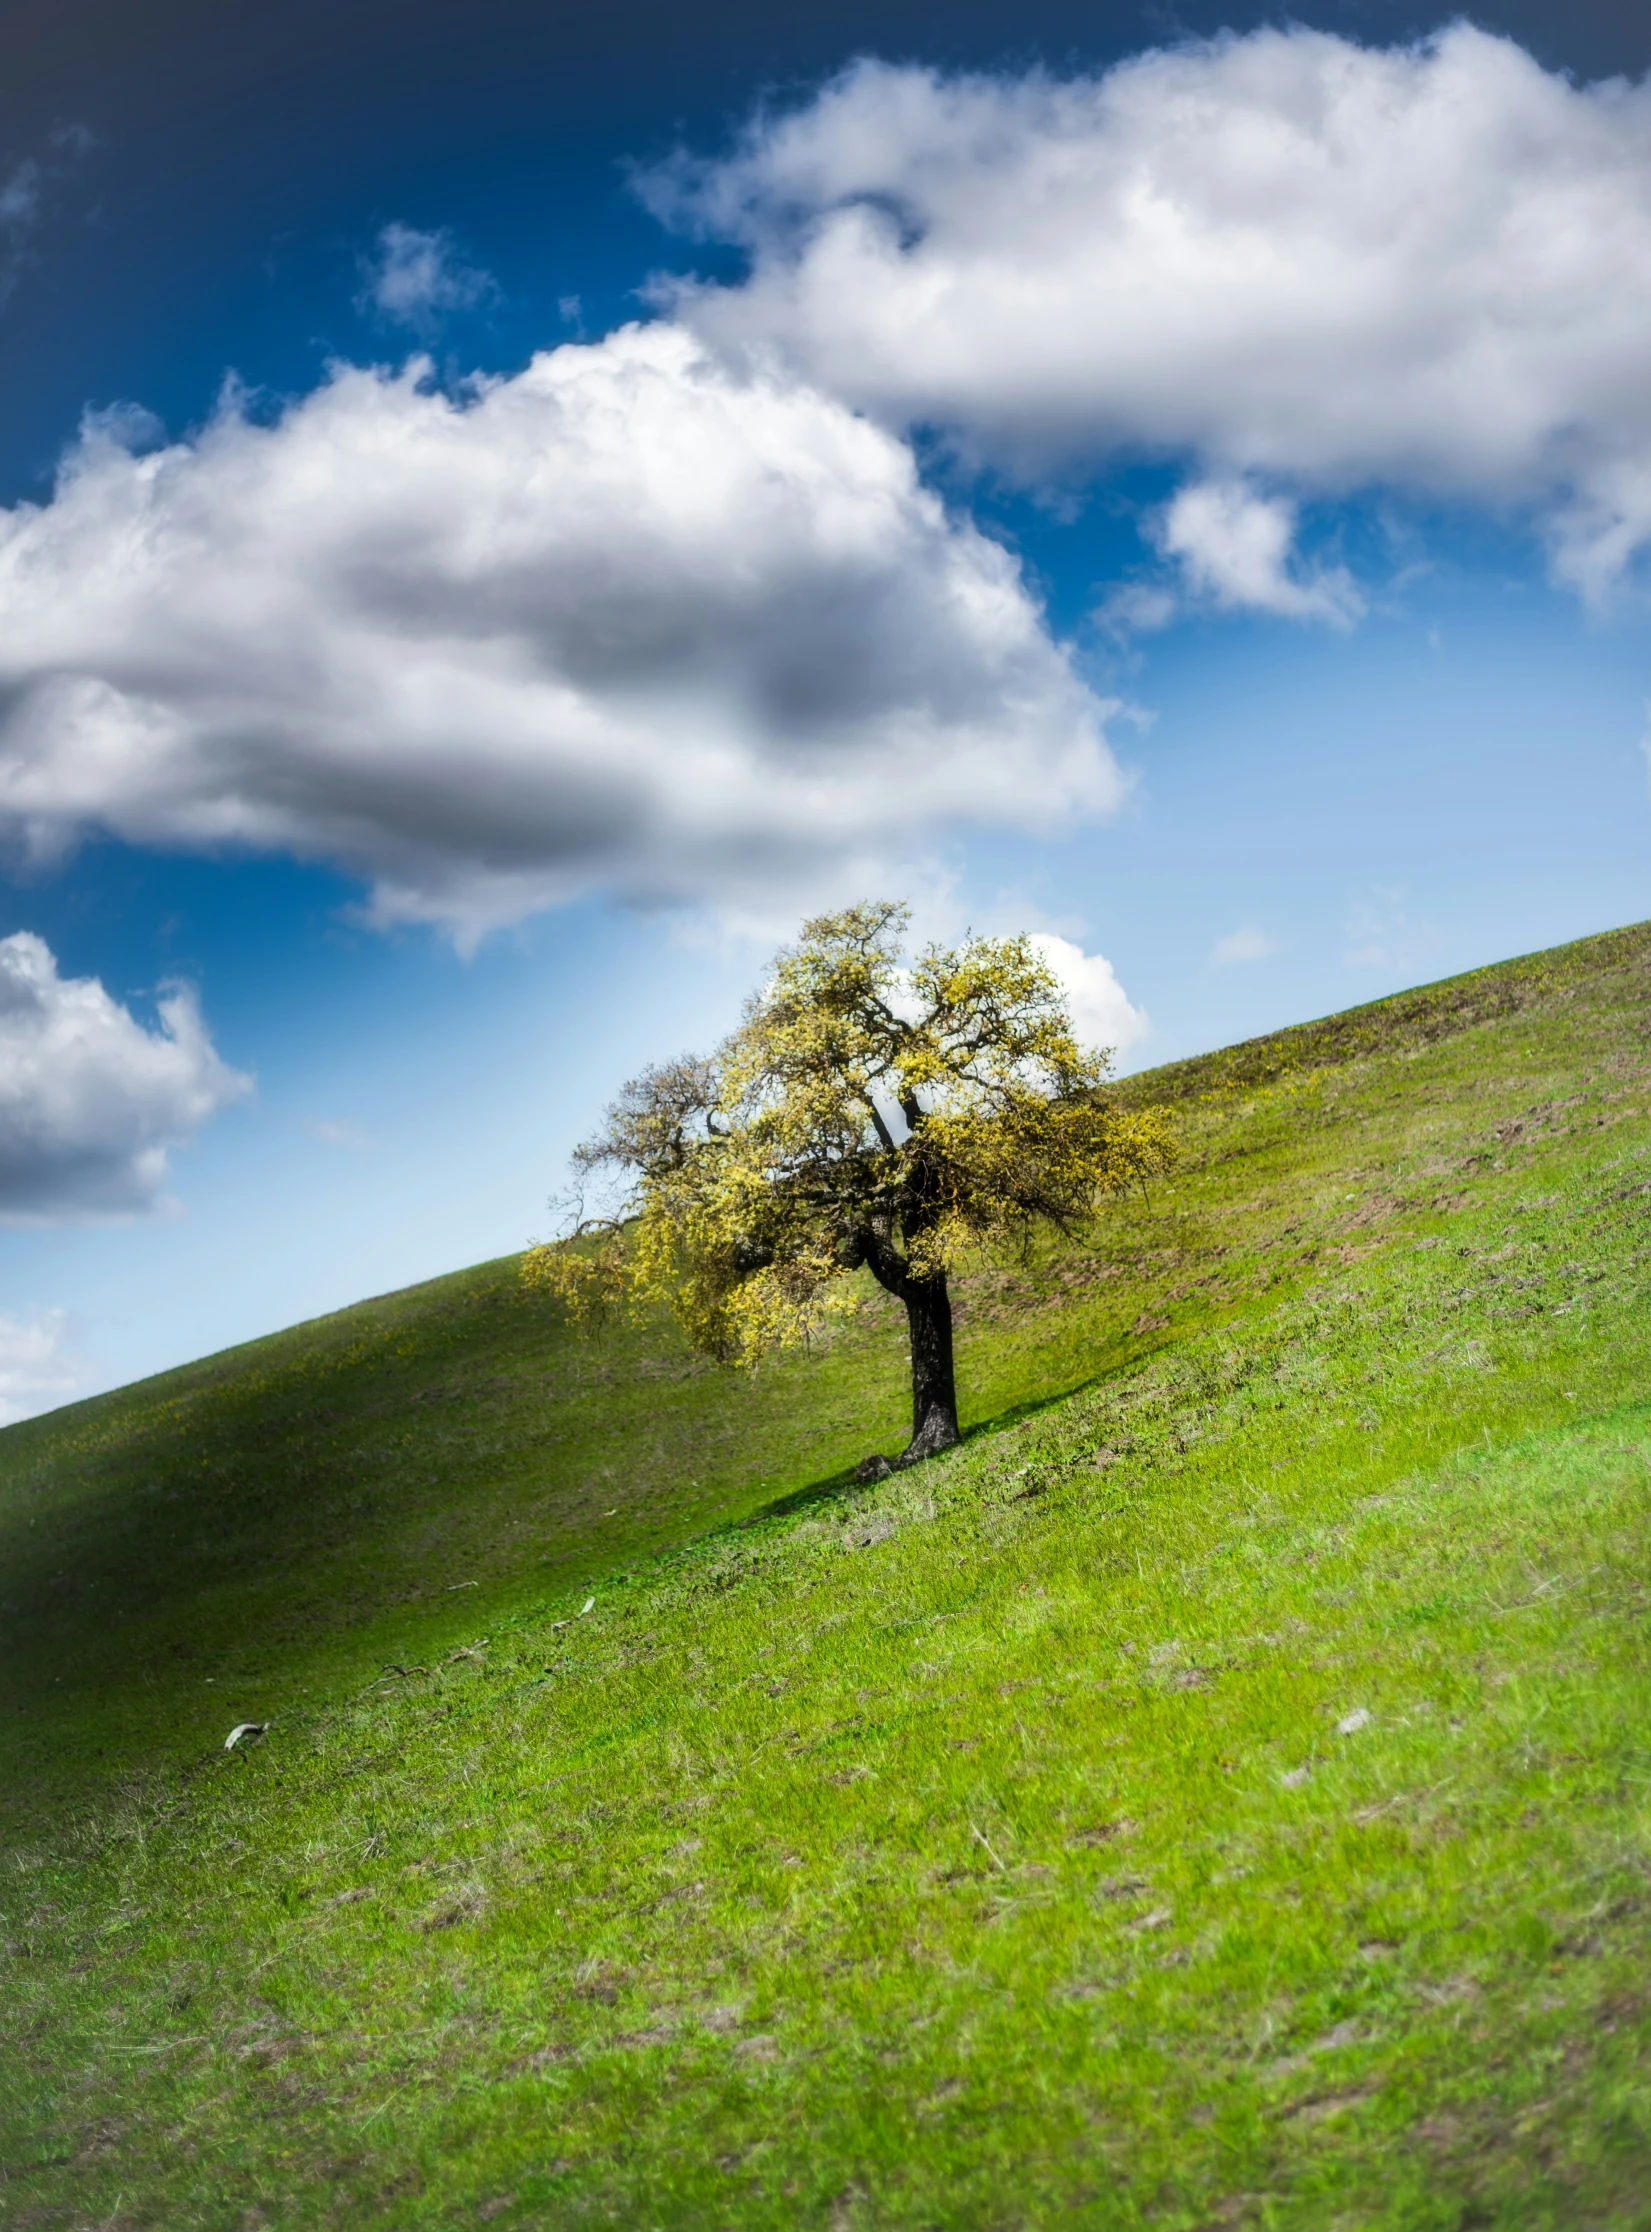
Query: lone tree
[[871, 1111]]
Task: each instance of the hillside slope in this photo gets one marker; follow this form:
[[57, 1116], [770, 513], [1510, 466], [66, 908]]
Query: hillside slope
[[988, 1835]]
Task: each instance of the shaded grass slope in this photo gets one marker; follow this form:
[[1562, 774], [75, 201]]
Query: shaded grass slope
[[1217, 1794]]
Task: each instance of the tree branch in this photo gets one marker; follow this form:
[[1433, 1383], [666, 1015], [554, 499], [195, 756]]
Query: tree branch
[[888, 1266], [882, 1130]]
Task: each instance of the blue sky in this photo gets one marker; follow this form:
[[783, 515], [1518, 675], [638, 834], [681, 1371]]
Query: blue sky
[[1184, 496]]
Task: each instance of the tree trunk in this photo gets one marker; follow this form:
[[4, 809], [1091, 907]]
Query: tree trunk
[[933, 1386], [929, 1323]]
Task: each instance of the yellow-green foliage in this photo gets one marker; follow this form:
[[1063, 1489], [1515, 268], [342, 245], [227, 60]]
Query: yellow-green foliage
[[868, 1110]]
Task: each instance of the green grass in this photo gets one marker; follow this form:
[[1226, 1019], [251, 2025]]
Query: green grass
[[1218, 1794]]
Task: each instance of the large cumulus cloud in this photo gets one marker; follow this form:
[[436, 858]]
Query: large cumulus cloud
[[1284, 258], [91, 1100], [628, 619], [1103, 1015]]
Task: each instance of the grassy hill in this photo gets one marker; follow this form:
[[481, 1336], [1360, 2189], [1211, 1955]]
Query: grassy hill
[[1218, 1794]]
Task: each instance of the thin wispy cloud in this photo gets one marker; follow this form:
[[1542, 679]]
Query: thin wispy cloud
[[28, 190], [333, 1134], [1137, 607], [38, 1366], [20, 196], [1249, 942], [1383, 934], [417, 279]]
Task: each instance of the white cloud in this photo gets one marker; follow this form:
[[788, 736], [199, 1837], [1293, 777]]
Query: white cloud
[[417, 278], [1427, 267], [625, 619], [37, 1369], [90, 1101], [1249, 942], [1102, 1014], [1234, 546]]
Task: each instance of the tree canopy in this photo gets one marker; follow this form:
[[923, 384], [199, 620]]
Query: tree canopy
[[872, 1110]]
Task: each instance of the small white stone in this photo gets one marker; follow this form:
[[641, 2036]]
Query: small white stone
[[1351, 1723]]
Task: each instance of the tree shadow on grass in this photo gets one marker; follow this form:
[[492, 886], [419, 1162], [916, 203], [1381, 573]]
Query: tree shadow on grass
[[830, 1486]]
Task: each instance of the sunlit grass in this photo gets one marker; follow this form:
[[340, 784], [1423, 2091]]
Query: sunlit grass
[[1217, 1794]]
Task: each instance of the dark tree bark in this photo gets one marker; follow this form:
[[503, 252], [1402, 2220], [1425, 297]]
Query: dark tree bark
[[929, 1322], [933, 1383]]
